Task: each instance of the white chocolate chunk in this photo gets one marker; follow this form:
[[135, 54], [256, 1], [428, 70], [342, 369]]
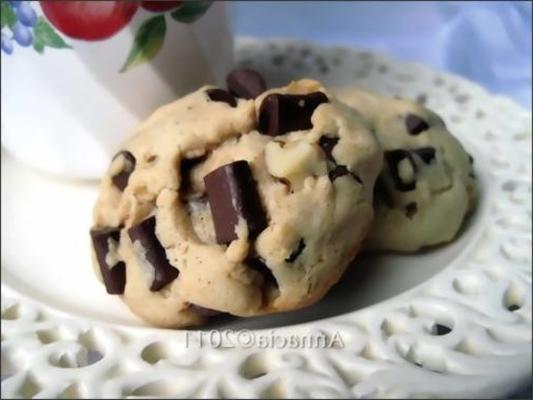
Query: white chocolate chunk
[[294, 161], [406, 171]]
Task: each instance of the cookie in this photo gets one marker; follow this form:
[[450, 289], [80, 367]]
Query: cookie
[[244, 205], [427, 186]]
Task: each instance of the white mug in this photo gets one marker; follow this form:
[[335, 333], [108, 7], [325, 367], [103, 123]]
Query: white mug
[[78, 76]]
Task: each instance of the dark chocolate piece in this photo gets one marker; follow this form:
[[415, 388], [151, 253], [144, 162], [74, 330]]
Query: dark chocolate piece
[[232, 193], [393, 158], [144, 232], [341, 170], [114, 276], [381, 194], [327, 144], [258, 264], [245, 83], [410, 210], [120, 180], [202, 311], [294, 255], [282, 113], [427, 154], [415, 125], [221, 95]]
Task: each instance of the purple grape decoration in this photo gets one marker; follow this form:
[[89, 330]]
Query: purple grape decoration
[[22, 35], [7, 44], [26, 15]]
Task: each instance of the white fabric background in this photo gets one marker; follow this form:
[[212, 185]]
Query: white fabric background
[[487, 42]]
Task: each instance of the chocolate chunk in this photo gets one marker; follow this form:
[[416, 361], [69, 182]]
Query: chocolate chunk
[[164, 273], [282, 113], [232, 193], [187, 164], [114, 276], [415, 125], [381, 194], [294, 255], [341, 170], [258, 264], [245, 83], [427, 154], [327, 144], [470, 158], [410, 210], [221, 95], [120, 180], [394, 158], [202, 311]]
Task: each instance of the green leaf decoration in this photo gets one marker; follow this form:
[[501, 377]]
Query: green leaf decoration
[[38, 45], [44, 35], [8, 16], [148, 40], [191, 10]]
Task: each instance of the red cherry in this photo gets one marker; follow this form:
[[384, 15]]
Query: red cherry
[[89, 20], [159, 6]]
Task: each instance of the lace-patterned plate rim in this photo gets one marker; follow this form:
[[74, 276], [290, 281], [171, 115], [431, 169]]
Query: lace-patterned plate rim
[[467, 330]]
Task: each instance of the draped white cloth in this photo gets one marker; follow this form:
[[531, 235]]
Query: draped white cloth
[[487, 42]]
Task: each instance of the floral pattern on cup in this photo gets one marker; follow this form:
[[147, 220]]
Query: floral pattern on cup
[[21, 26], [93, 21]]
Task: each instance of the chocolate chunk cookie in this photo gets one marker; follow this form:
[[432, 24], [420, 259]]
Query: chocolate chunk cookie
[[427, 185], [244, 201]]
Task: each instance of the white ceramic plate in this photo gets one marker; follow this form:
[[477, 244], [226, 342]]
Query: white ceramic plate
[[454, 321]]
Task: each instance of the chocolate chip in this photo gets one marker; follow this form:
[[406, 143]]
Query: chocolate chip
[[232, 193], [341, 170], [222, 96], [245, 83], [202, 311], [114, 276], [282, 113], [294, 255], [470, 158], [327, 144], [164, 273], [415, 125], [381, 194], [410, 210], [394, 158], [427, 154], [258, 264], [186, 165], [120, 180]]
